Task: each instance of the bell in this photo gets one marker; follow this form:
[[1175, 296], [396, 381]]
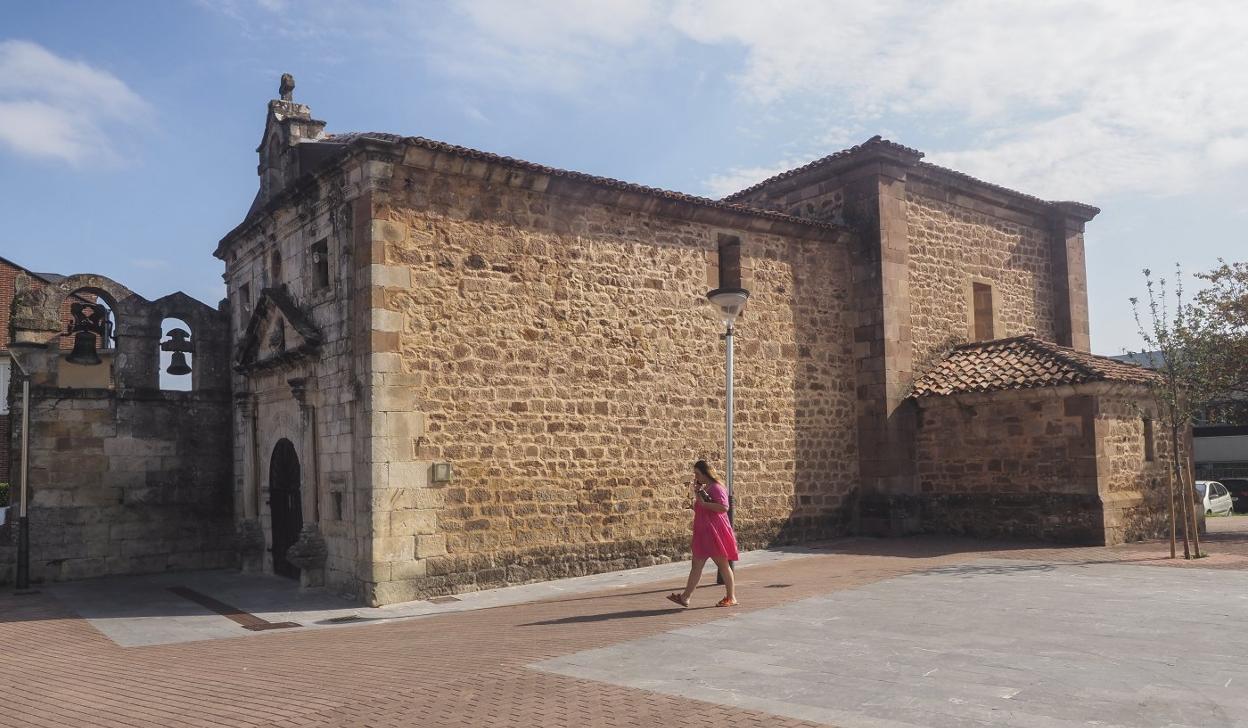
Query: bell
[[84, 350], [178, 365]]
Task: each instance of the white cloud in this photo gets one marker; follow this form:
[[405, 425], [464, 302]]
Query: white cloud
[[552, 45], [1063, 99], [58, 108]]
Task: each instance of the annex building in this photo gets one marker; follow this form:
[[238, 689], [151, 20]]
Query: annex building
[[452, 370]]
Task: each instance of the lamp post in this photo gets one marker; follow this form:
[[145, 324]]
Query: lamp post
[[23, 523], [730, 302]]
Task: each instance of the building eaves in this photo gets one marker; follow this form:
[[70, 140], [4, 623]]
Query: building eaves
[[1021, 362], [874, 144], [877, 144], [356, 140]]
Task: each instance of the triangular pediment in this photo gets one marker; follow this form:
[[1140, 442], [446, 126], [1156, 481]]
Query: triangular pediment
[[278, 332]]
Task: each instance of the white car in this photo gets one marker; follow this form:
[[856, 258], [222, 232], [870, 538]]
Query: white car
[[1215, 498]]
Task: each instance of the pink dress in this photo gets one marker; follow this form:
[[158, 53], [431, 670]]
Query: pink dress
[[712, 533]]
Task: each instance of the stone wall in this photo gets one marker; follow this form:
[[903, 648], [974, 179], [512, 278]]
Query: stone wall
[[308, 395], [563, 359], [1055, 463], [127, 482], [124, 477], [1135, 490], [953, 246]]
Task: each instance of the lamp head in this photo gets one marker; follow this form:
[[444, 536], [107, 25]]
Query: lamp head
[[730, 302]]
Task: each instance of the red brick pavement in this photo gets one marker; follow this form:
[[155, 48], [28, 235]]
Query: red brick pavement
[[464, 669]]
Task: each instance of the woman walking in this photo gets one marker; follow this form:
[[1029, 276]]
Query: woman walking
[[713, 537]]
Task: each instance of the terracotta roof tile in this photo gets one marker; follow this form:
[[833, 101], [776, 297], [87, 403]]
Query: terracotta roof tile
[[1022, 362]]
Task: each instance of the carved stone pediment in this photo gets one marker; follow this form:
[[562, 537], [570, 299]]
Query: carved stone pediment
[[278, 332]]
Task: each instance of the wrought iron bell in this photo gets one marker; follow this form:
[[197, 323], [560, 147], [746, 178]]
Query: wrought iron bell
[[84, 352], [179, 345], [178, 365], [87, 321]]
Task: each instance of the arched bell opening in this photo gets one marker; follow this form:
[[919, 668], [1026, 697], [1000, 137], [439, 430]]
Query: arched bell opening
[[177, 352], [89, 339], [285, 505]]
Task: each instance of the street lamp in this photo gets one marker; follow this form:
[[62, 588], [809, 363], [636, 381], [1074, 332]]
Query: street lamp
[[730, 302], [23, 523]]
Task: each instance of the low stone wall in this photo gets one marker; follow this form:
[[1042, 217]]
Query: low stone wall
[[127, 482]]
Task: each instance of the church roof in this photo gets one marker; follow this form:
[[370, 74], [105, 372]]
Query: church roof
[[878, 144], [874, 143], [1021, 362]]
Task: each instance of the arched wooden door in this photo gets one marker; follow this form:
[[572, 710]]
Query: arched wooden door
[[285, 505]]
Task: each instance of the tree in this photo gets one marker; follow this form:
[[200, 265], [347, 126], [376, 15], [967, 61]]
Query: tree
[[1225, 303], [1180, 342]]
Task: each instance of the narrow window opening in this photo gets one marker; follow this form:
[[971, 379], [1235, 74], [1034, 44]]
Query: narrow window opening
[[1149, 453], [337, 505], [320, 264], [275, 268], [244, 304], [981, 294], [729, 261]]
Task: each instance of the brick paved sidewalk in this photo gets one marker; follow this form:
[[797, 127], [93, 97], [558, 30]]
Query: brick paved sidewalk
[[466, 669]]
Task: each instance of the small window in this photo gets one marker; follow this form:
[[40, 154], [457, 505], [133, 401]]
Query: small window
[[244, 298], [320, 264], [729, 261], [275, 268], [981, 294], [1149, 453]]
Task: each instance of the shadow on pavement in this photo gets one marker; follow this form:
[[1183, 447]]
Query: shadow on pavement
[[605, 617]]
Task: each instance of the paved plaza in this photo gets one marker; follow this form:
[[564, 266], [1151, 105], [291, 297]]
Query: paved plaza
[[855, 633]]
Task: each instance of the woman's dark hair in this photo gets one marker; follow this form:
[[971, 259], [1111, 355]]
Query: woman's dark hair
[[705, 469]]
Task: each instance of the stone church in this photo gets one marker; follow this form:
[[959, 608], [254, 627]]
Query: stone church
[[452, 370]]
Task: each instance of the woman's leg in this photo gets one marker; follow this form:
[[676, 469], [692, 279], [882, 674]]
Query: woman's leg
[[725, 573], [695, 575]]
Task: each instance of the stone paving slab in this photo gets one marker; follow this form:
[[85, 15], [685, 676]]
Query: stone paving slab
[[136, 611], [984, 643]]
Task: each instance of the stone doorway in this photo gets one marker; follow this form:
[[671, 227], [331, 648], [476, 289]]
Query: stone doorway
[[285, 505]]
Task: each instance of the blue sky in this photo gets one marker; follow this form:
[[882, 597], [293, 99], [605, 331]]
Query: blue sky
[[128, 129]]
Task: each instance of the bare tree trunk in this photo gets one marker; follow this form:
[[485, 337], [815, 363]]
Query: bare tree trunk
[[1173, 525], [1191, 489], [1185, 501]]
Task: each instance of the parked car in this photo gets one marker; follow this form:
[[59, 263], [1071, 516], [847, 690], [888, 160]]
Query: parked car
[[1239, 492], [1215, 497]]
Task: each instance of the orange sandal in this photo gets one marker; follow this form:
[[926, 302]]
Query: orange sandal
[[726, 602], [679, 599]]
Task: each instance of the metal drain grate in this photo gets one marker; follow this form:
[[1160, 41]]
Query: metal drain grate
[[777, 586]]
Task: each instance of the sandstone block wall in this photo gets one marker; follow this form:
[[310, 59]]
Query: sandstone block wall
[[953, 246], [127, 482], [1135, 491], [562, 357], [1061, 463]]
